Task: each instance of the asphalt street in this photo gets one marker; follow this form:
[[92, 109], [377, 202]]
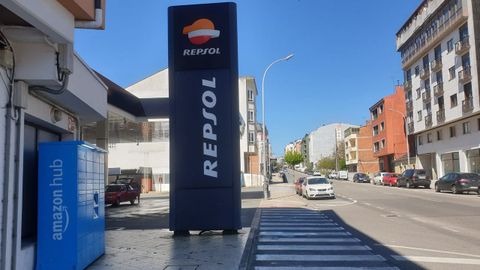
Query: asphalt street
[[410, 228]]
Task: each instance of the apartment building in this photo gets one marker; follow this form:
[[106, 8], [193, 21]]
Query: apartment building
[[388, 129], [305, 151], [248, 112], [358, 149], [324, 140], [440, 57], [48, 93]]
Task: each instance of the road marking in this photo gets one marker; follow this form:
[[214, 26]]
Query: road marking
[[312, 247], [299, 239], [296, 223], [322, 258], [431, 250], [322, 268], [301, 228], [305, 234], [436, 259]]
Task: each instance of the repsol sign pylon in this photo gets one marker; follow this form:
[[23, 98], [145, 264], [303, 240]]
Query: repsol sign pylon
[[204, 118]]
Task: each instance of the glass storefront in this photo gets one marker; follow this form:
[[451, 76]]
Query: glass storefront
[[473, 160], [451, 162]]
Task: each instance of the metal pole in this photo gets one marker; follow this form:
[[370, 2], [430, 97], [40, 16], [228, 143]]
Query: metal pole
[[264, 147]]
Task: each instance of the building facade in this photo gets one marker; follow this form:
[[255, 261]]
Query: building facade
[[248, 112], [388, 129], [359, 155], [325, 139], [440, 57], [48, 93]]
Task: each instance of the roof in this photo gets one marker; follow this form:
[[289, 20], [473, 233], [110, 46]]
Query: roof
[[411, 16]]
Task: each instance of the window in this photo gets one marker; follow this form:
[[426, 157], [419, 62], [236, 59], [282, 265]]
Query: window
[[451, 162], [250, 116], [467, 90], [451, 72], [376, 147], [438, 52], [374, 114], [425, 62], [417, 70], [251, 137], [426, 85], [450, 45], [453, 132], [441, 103], [382, 126], [439, 77], [453, 101], [419, 116], [420, 140], [439, 135], [429, 137], [428, 107], [375, 130], [419, 94], [380, 109], [250, 95], [382, 144], [466, 128], [473, 158]]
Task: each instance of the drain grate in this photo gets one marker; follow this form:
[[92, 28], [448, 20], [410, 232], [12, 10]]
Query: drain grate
[[181, 267]]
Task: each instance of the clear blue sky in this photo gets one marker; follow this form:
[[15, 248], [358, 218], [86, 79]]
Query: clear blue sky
[[345, 56]]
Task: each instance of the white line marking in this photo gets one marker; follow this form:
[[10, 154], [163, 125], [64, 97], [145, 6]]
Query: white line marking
[[431, 250], [301, 229], [322, 268], [312, 247], [296, 224], [436, 259], [304, 234], [322, 258], [310, 240]]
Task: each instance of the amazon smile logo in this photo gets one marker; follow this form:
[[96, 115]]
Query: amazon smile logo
[[201, 31]]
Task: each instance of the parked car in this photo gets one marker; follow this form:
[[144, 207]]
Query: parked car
[[118, 193], [390, 179], [413, 178], [317, 173], [378, 178], [361, 178], [298, 185], [333, 175], [128, 181], [317, 187], [458, 182], [343, 175]]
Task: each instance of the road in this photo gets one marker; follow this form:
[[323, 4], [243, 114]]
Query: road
[[408, 228]]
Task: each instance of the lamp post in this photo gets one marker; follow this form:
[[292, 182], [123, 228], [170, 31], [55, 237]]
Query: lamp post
[[406, 133], [266, 181]]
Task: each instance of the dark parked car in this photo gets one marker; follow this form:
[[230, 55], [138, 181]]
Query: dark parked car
[[413, 178], [361, 178], [458, 182], [298, 185], [117, 193]]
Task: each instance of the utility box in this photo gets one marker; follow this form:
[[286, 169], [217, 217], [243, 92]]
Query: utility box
[[71, 205]]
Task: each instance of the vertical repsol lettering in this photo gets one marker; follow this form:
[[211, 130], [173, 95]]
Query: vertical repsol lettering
[[209, 100]]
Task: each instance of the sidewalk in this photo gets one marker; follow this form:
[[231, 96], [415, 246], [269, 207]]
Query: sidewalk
[[137, 237]]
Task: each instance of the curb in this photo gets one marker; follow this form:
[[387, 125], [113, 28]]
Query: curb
[[248, 251]]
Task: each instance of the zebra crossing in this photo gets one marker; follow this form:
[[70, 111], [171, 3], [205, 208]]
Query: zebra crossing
[[305, 239]]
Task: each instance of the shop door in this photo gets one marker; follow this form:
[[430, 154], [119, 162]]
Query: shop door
[[33, 136]]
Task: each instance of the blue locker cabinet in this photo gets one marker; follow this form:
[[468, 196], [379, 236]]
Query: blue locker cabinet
[[71, 205]]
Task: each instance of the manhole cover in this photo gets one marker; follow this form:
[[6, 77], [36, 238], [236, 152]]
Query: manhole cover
[[181, 267]]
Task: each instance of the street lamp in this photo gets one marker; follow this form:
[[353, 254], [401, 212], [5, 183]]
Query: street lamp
[[263, 121], [406, 133]]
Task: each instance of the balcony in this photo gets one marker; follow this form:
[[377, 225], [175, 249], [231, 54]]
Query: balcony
[[426, 96], [428, 120], [441, 116], [467, 105], [407, 85], [424, 73], [436, 65], [462, 46], [464, 75], [438, 89], [409, 105], [411, 128]]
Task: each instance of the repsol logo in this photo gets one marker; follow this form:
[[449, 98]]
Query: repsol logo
[[209, 51], [209, 101], [60, 216]]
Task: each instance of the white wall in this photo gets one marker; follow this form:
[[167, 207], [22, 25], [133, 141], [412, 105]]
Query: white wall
[[133, 156], [242, 98], [322, 140], [154, 86]]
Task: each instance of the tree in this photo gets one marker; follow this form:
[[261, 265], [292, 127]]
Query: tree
[[293, 158], [326, 163]]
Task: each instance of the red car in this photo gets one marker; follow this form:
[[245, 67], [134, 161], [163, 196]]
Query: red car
[[117, 193], [298, 185], [390, 179]]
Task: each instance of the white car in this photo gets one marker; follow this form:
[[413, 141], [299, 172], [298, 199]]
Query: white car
[[332, 175], [317, 187], [378, 178], [317, 173], [343, 175]]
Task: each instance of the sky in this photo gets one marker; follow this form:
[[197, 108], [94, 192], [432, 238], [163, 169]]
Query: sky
[[345, 57]]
